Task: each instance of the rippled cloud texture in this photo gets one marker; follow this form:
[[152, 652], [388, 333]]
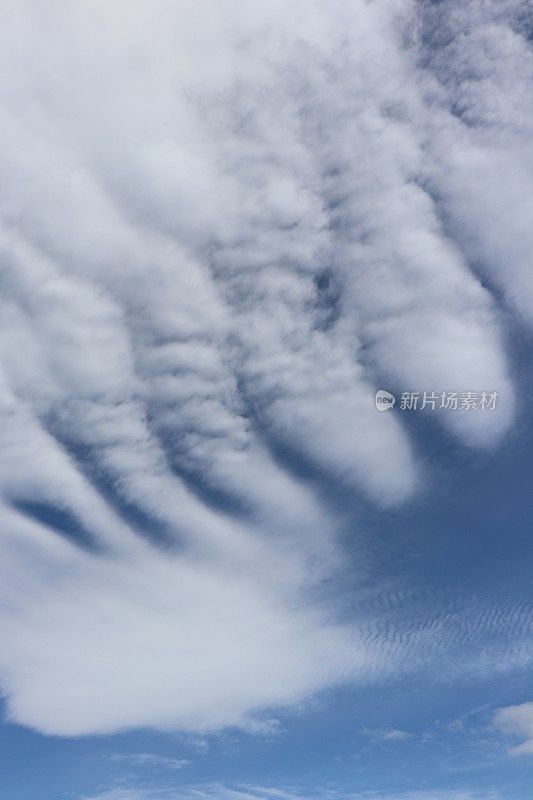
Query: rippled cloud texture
[[223, 226]]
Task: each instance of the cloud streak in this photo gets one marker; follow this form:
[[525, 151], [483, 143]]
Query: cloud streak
[[246, 792]]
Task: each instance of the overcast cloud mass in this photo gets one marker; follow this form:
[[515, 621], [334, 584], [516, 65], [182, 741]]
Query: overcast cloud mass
[[224, 226]]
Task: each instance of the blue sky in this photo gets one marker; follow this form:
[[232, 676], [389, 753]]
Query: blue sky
[[227, 573]]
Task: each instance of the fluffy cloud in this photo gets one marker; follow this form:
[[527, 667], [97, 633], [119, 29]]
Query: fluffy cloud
[[221, 229], [517, 721]]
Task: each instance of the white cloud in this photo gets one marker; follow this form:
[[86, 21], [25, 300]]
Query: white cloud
[[395, 735], [220, 228], [484, 151], [387, 735], [517, 721]]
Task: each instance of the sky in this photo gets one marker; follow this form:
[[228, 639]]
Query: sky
[[266, 303]]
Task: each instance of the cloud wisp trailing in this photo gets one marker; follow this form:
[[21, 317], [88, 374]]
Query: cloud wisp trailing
[[221, 229]]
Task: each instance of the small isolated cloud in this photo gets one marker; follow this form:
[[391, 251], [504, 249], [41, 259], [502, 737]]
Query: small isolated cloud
[[517, 722], [395, 735], [387, 734]]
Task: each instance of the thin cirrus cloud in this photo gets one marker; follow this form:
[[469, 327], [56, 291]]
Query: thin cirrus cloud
[[244, 792], [220, 228], [151, 760]]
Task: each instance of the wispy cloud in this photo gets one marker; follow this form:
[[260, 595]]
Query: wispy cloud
[[244, 792], [431, 794], [152, 760], [387, 734], [395, 735]]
